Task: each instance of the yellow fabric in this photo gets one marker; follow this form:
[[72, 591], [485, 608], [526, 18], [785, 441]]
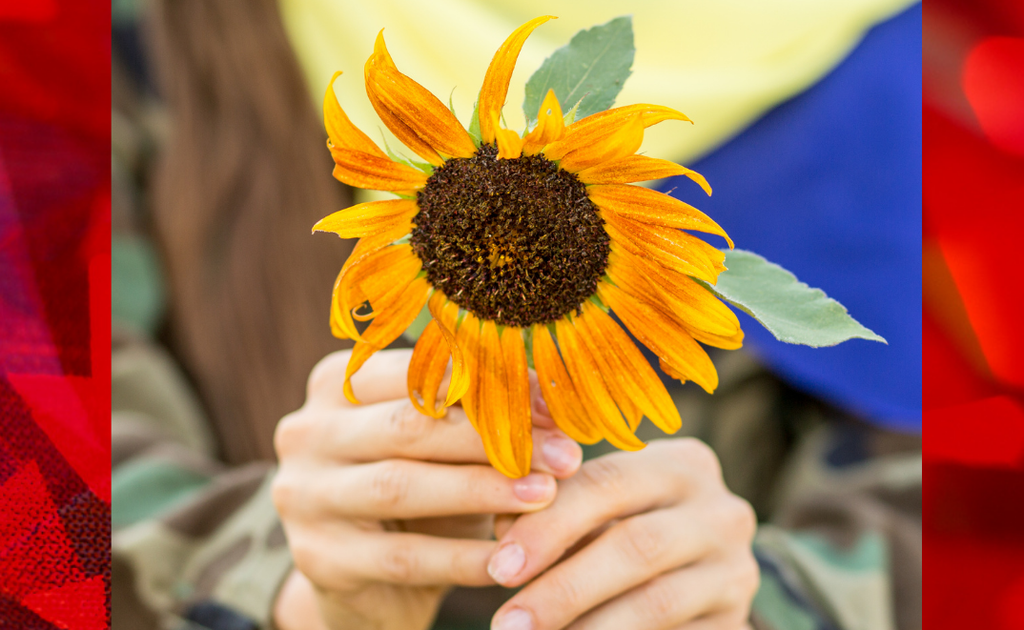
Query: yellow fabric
[[722, 63]]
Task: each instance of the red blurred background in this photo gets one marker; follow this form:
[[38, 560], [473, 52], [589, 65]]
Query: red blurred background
[[973, 297]]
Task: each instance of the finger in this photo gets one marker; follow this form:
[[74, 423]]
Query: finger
[[408, 489], [627, 555], [350, 561], [605, 488], [710, 595], [381, 378], [395, 429]]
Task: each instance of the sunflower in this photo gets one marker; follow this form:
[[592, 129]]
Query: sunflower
[[521, 244]]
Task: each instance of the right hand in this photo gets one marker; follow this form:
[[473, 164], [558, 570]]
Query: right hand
[[385, 509]]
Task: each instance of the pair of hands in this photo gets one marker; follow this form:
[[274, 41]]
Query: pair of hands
[[386, 509]]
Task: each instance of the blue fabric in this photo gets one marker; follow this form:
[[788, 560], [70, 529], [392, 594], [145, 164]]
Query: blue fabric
[[828, 185]]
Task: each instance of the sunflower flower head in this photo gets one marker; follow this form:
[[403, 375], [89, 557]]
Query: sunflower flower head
[[522, 244]]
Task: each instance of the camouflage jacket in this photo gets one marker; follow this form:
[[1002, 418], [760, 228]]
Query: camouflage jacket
[[198, 545]]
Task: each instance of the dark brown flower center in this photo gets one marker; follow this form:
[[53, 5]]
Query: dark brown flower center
[[514, 241]]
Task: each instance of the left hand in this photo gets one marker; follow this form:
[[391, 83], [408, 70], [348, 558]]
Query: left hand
[[655, 541]]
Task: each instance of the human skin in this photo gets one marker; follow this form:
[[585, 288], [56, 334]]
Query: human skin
[[386, 509]]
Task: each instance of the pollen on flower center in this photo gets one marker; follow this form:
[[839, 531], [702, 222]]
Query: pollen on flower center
[[516, 241]]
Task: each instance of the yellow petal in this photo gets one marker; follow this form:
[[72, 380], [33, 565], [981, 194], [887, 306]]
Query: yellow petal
[[628, 367], [492, 416], [673, 293], [517, 374], [654, 208], [383, 330], [558, 390], [510, 145], [426, 370], [668, 247], [446, 314], [593, 390], [550, 126], [625, 141], [340, 130], [467, 338], [416, 117], [618, 384], [369, 278], [495, 86], [638, 168], [596, 127], [369, 218], [662, 335], [363, 170]]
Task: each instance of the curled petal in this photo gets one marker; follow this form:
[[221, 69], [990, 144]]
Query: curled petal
[[340, 130], [383, 330], [669, 247], [597, 401], [558, 390], [495, 86], [426, 370], [510, 145], [416, 117], [629, 367], [363, 170], [665, 337], [596, 127], [625, 141], [369, 218], [371, 277], [550, 126], [654, 208], [446, 314], [638, 168]]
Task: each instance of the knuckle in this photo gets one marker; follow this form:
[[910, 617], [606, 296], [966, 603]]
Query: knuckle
[[640, 541], [408, 426], [603, 475], [701, 457], [658, 602], [398, 563], [282, 493], [389, 485], [566, 590], [291, 433], [745, 581], [739, 519], [306, 557], [328, 371]]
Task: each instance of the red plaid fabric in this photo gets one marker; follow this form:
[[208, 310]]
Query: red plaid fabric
[[54, 315]]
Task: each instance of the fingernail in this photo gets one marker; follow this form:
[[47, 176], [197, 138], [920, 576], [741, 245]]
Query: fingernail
[[562, 453], [540, 406], [515, 619], [507, 563], [533, 487]]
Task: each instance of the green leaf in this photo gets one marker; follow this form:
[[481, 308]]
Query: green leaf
[[592, 67], [474, 124], [788, 308]]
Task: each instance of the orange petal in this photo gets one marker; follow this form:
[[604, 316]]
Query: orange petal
[[426, 370], [662, 335], [340, 130], [654, 208], [467, 338], [510, 145], [518, 377], [550, 125], [668, 247], [609, 366], [673, 293], [383, 330], [493, 422], [363, 170], [369, 218], [416, 117], [596, 127], [625, 141], [386, 267], [559, 391], [495, 86], [638, 168], [446, 314], [628, 367], [671, 371], [593, 390]]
